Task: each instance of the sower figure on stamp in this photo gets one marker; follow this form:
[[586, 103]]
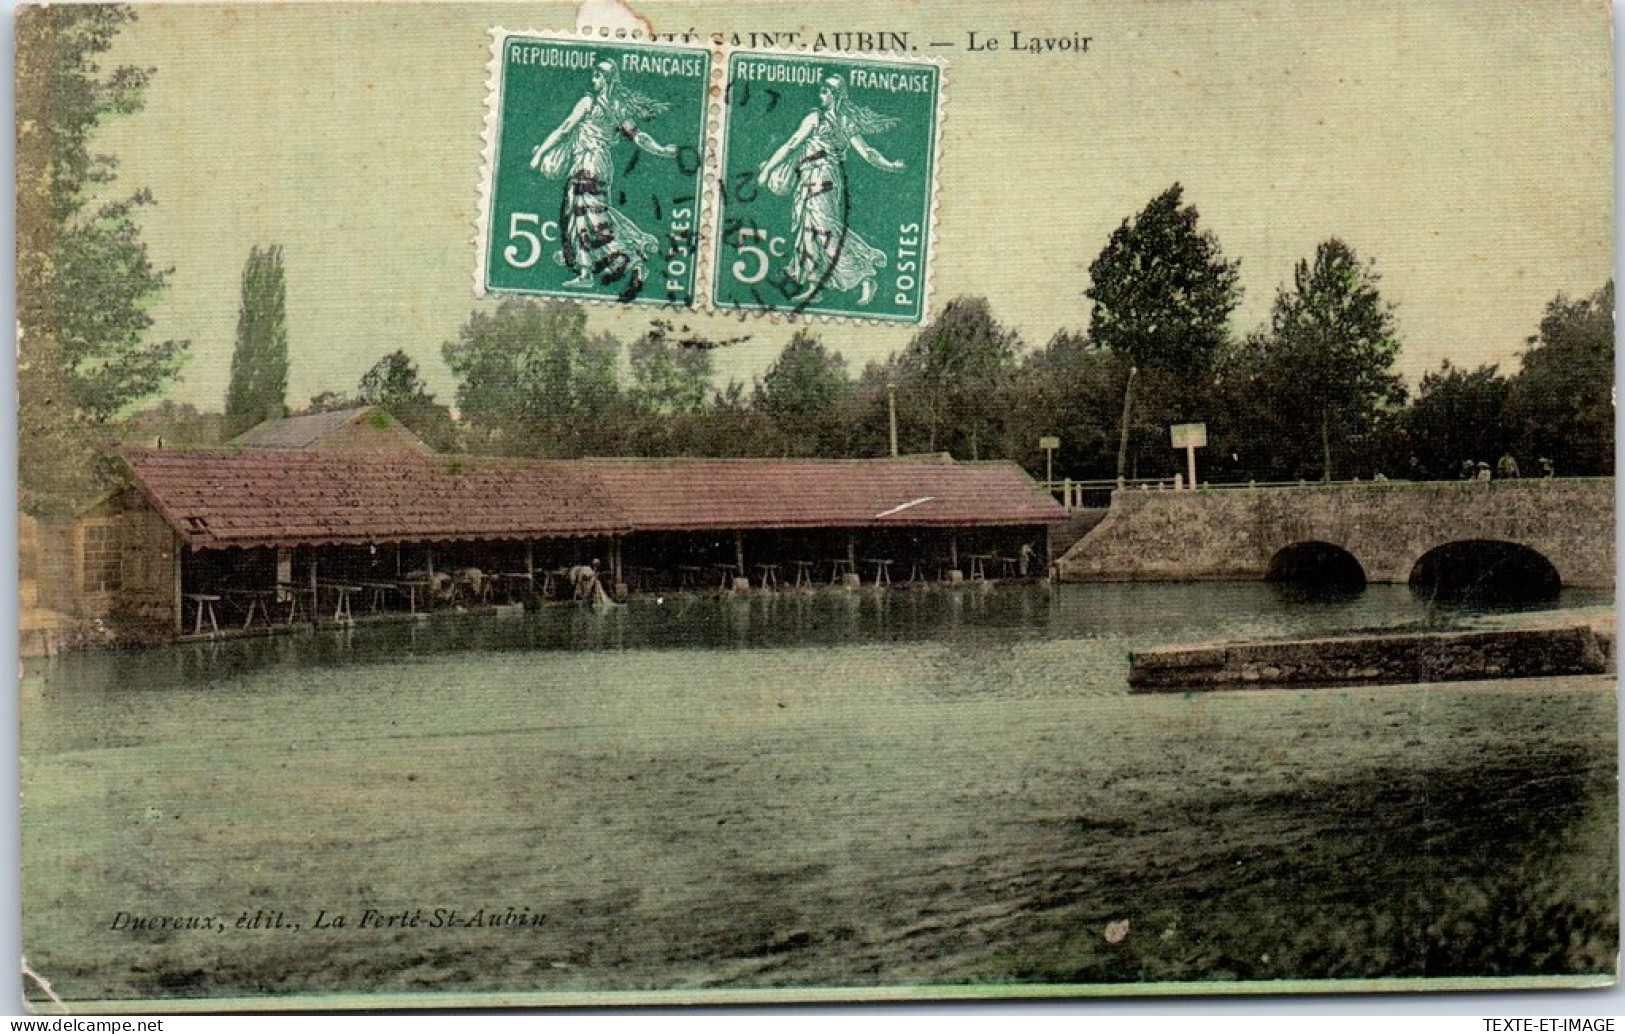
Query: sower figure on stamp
[[598, 240], [825, 251]]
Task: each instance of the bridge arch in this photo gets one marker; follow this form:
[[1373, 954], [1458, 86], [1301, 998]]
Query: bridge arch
[[1316, 563], [1485, 569]]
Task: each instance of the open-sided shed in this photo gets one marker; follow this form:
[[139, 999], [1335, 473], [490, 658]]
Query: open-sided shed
[[286, 533]]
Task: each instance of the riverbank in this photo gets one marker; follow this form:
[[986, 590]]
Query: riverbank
[[42, 632]]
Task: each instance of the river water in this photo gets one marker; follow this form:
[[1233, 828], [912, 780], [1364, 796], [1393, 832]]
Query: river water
[[943, 786], [1093, 625]]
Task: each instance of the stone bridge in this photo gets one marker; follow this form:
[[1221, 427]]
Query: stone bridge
[[1388, 531]]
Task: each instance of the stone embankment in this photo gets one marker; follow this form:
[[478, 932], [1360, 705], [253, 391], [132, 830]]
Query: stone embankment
[[1576, 649]]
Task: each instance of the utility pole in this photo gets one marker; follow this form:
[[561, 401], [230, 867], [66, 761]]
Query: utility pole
[[1122, 443], [891, 408]]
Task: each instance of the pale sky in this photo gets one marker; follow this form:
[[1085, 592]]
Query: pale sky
[[1466, 147]]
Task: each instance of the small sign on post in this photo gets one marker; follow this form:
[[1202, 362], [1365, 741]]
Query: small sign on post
[[1189, 437], [1049, 443]]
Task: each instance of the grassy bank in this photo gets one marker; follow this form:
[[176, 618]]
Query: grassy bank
[[842, 817]]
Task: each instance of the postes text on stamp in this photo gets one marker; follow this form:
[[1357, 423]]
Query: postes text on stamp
[[593, 169], [827, 183]]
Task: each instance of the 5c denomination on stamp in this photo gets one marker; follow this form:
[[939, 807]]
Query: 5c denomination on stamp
[[592, 178], [827, 185]]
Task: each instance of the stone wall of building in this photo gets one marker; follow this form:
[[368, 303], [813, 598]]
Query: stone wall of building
[[149, 590]]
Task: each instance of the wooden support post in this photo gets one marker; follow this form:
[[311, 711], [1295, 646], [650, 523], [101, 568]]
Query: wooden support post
[[530, 559], [739, 553], [315, 593], [852, 550], [953, 549], [615, 559], [175, 548]]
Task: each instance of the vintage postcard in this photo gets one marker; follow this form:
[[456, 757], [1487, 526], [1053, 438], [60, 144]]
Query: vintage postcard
[[542, 505]]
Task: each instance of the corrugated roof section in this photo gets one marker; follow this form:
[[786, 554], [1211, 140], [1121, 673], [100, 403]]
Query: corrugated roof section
[[705, 494], [298, 432], [216, 499]]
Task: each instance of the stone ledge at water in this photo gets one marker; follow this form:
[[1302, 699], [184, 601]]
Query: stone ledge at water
[[1409, 657]]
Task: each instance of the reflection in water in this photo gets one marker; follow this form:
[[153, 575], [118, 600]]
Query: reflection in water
[[1329, 596], [1089, 627], [1496, 575]]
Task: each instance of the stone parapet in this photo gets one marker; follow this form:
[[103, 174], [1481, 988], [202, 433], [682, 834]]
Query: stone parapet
[[1398, 658]]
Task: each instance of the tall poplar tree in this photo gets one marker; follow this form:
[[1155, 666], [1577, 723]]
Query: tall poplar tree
[[259, 365]]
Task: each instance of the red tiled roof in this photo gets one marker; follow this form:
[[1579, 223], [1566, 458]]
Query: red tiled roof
[[260, 498], [706, 494], [215, 499]]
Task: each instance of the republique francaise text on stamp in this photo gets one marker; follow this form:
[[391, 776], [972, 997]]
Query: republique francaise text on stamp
[[819, 200], [592, 180], [826, 192]]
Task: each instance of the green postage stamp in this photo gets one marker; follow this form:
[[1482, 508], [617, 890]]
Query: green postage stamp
[[593, 169], [611, 175], [826, 193]]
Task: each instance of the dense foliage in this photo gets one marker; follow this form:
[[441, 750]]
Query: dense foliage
[[1162, 294], [259, 364], [1311, 394], [1325, 366], [1163, 291], [394, 383], [84, 279], [1561, 403]]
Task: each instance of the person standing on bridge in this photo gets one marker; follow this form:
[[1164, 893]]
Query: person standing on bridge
[[1508, 467]]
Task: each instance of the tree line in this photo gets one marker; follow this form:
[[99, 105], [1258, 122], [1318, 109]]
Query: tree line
[[1311, 394]]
